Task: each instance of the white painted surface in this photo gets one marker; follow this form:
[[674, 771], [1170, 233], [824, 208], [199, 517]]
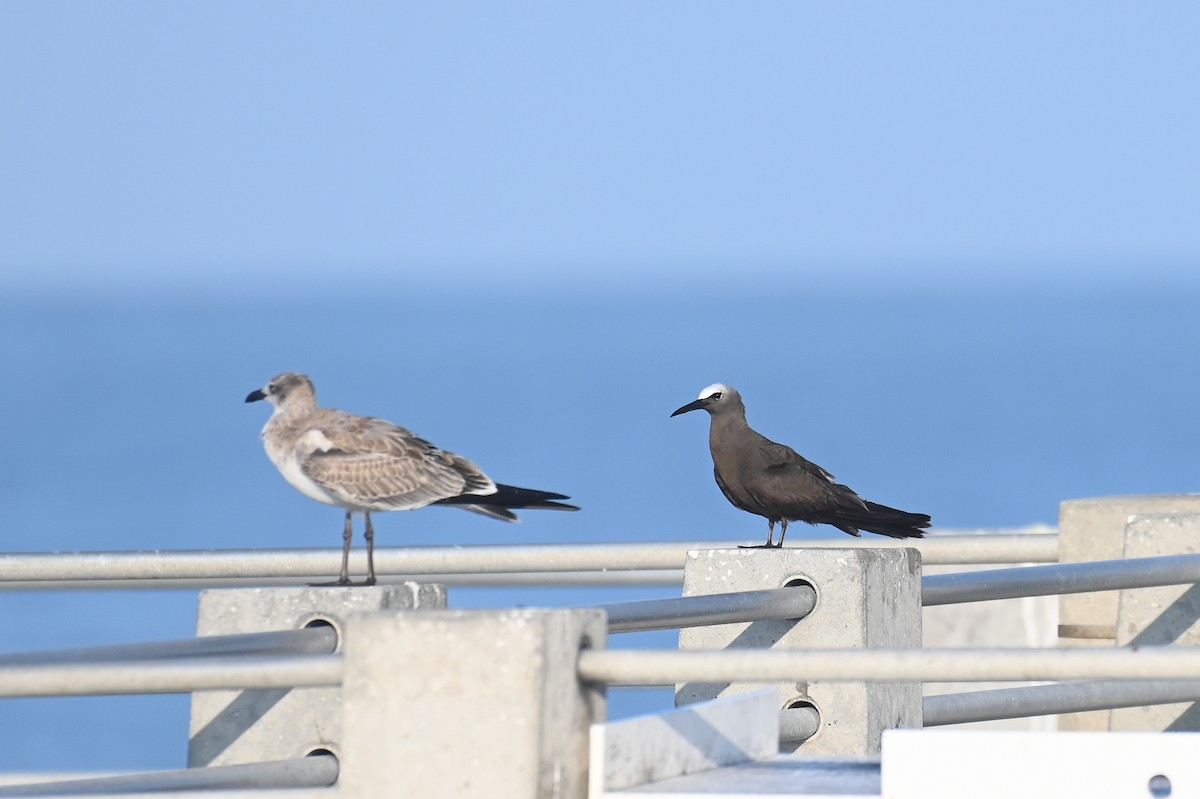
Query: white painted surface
[[781, 777], [1032, 765]]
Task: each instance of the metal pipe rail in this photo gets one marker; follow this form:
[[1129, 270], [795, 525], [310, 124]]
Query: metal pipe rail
[[794, 602], [1060, 578], [315, 640], [668, 667], [572, 579], [174, 676], [316, 771], [202, 568], [641, 667], [1048, 700]]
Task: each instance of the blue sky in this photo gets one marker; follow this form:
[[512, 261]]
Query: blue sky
[[626, 157], [228, 144]]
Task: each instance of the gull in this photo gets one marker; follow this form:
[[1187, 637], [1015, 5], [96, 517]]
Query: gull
[[364, 464], [774, 481]]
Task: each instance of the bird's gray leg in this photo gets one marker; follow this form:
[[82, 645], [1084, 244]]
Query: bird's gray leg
[[782, 532], [370, 534], [347, 539], [344, 575]]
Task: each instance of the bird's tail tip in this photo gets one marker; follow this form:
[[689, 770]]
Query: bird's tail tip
[[896, 523], [500, 505]]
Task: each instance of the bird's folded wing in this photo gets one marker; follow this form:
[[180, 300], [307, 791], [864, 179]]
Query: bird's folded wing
[[792, 480], [781, 457], [363, 459]]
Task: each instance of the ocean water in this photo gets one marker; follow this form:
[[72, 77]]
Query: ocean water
[[126, 429]]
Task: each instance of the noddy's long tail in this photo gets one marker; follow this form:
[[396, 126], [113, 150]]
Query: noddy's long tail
[[885, 521], [497, 505]]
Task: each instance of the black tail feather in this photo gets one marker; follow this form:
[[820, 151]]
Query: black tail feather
[[885, 521], [497, 505]]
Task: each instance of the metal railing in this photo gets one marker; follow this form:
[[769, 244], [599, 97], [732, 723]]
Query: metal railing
[[170, 676], [105, 570], [593, 564], [1123, 677], [633, 667], [1049, 700], [315, 771], [668, 667], [292, 658], [288, 658], [794, 602], [1060, 578], [316, 639]]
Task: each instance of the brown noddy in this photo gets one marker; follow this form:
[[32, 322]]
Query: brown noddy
[[774, 481], [363, 464]]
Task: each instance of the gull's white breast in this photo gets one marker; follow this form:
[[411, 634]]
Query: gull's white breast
[[288, 460]]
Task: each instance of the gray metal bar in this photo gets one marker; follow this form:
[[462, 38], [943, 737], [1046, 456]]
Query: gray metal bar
[[600, 579], [317, 771], [1062, 578], [575, 579], [794, 602], [168, 569], [174, 676], [1047, 700], [669, 666], [311, 640]]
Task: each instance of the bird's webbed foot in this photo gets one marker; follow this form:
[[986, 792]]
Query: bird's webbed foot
[[341, 582]]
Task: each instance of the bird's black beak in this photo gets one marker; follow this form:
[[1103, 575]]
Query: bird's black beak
[[256, 395], [694, 405]]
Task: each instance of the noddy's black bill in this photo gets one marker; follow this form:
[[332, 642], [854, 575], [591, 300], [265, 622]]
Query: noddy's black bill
[[694, 405], [256, 395]]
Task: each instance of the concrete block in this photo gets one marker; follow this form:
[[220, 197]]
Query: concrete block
[[229, 727], [1094, 529], [866, 597], [1162, 616], [697, 738], [469, 704]]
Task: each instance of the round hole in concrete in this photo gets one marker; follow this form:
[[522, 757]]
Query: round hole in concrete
[[796, 582], [317, 621], [333, 776], [320, 752], [798, 730]]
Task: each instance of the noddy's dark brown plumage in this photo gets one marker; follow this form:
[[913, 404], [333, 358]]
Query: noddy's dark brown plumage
[[777, 483]]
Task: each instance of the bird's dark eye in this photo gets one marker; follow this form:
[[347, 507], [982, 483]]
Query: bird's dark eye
[[717, 395]]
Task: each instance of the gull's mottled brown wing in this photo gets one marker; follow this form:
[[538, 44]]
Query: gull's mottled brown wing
[[381, 466]]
